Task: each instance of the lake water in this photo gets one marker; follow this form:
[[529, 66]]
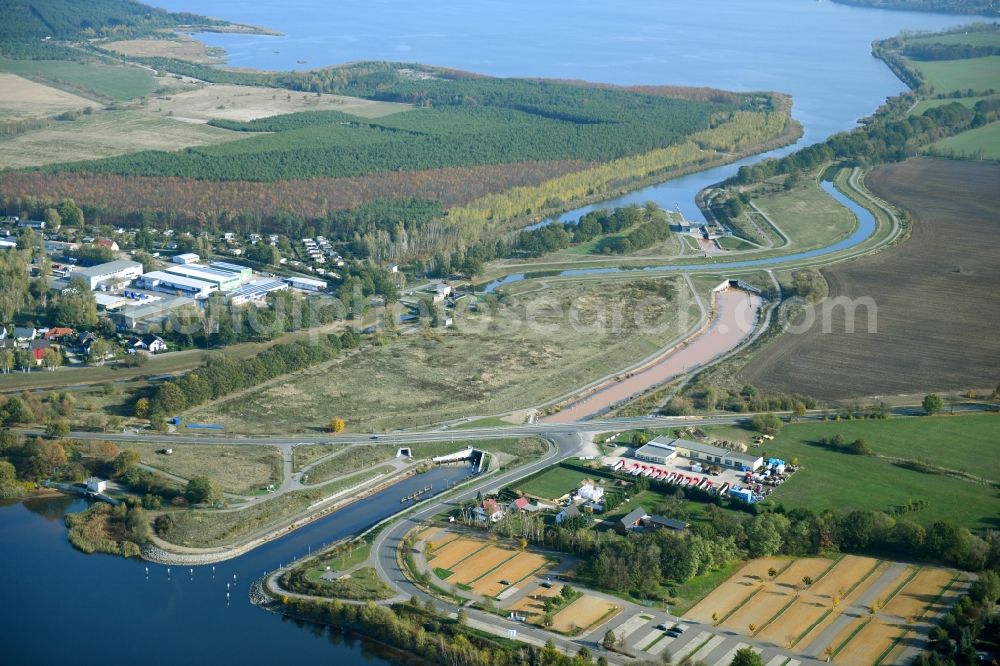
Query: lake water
[[819, 52], [61, 606]]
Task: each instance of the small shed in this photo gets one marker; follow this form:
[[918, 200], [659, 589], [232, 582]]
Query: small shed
[[96, 485]]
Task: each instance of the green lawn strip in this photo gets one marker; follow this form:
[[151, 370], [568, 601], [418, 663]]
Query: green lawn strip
[[739, 605], [774, 617], [906, 581], [487, 573], [847, 640], [463, 586], [443, 574], [892, 646], [811, 627]]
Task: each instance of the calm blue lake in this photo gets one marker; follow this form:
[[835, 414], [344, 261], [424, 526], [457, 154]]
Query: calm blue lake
[[62, 606]]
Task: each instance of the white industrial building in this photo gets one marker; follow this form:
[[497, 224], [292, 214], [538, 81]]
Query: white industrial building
[[186, 258], [109, 276], [223, 280], [662, 449], [245, 273], [181, 284], [255, 291], [306, 284]]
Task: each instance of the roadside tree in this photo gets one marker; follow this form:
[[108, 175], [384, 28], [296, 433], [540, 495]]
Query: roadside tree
[[932, 404], [201, 490], [769, 424]]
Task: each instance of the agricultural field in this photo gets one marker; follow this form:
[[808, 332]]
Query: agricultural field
[[977, 38], [237, 469], [960, 488], [23, 98], [928, 293], [808, 216], [486, 364], [821, 607], [982, 143], [947, 76], [244, 103], [98, 81], [475, 565], [107, 133], [583, 614], [925, 104]]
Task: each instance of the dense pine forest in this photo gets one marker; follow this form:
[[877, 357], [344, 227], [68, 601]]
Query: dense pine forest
[[27, 20], [459, 123]]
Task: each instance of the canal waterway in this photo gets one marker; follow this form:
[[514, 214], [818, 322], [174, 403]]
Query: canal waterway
[[863, 230], [61, 606]]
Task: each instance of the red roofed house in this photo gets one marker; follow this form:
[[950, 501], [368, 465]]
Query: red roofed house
[[58, 332], [108, 243], [38, 348], [520, 504], [489, 510]]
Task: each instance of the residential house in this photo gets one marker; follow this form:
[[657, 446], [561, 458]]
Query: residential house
[[96, 485], [659, 522], [589, 492], [489, 510], [3, 332], [567, 513], [58, 332], [519, 505], [38, 348], [24, 333], [108, 243], [630, 521]]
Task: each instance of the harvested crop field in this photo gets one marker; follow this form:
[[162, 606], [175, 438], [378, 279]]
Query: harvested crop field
[[181, 47], [936, 313], [869, 643], [732, 592], [917, 596], [520, 566], [761, 608], [454, 552], [485, 560], [26, 99], [583, 614]]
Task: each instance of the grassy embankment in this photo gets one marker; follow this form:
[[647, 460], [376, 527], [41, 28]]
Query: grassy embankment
[[485, 364], [205, 528]]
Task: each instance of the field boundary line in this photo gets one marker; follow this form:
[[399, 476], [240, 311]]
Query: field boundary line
[[487, 573], [892, 646], [811, 627], [850, 637], [483, 547], [774, 617], [899, 588], [927, 609], [878, 563], [828, 569], [740, 605]]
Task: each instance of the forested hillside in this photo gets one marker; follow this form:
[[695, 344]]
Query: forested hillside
[[983, 7], [461, 123], [77, 19]]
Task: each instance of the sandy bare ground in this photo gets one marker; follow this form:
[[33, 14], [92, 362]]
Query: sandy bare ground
[[454, 552], [582, 613], [913, 600], [473, 567], [181, 48], [739, 586], [26, 99], [869, 643], [512, 571], [243, 103], [735, 318]]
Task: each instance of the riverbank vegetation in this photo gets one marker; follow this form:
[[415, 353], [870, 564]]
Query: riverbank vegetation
[[116, 530]]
